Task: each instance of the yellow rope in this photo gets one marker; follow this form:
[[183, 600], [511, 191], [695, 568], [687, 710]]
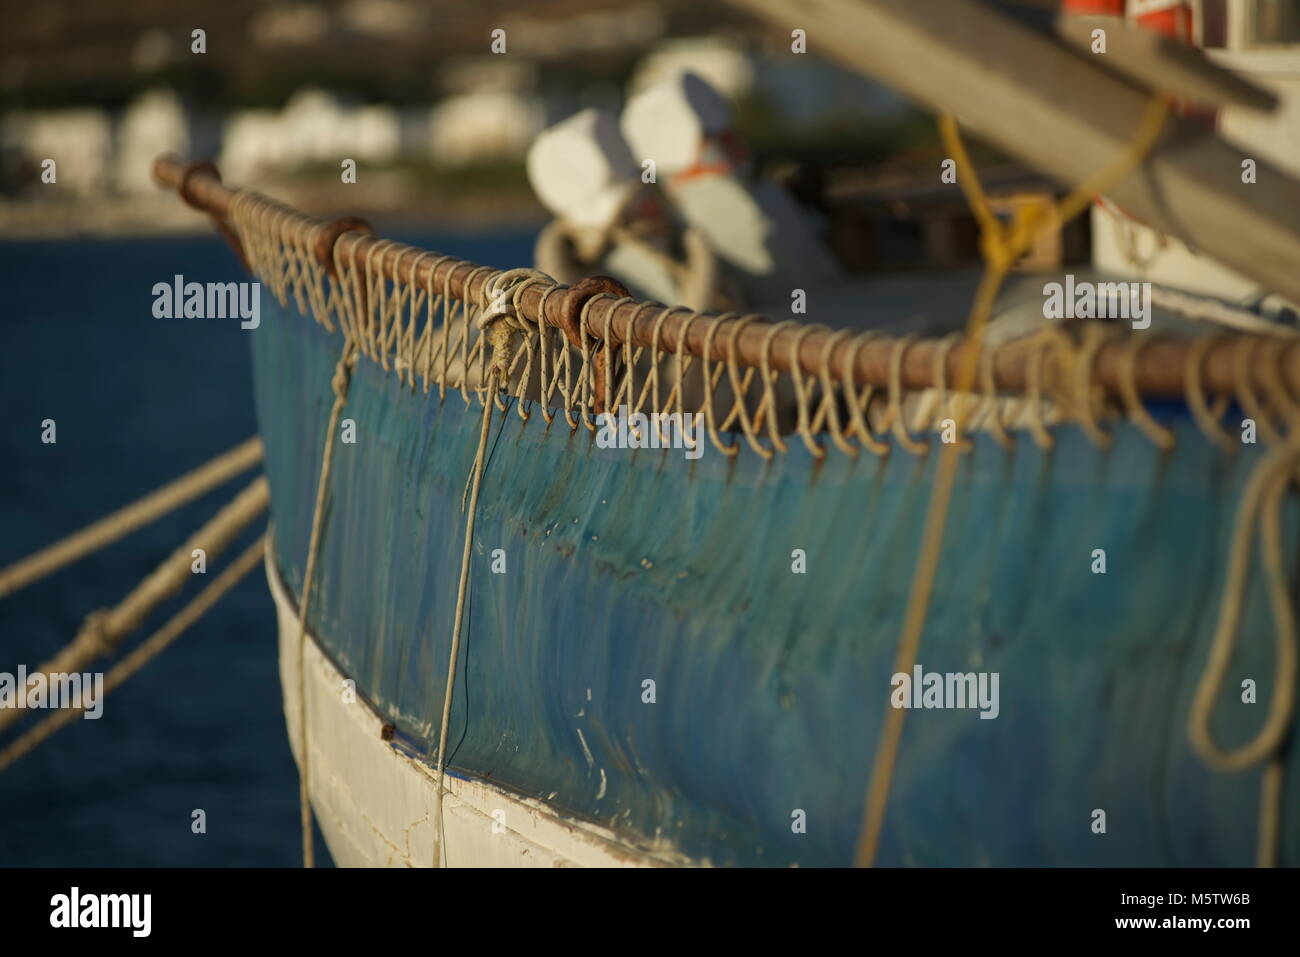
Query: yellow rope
[[342, 378], [1001, 246], [141, 655], [127, 519]]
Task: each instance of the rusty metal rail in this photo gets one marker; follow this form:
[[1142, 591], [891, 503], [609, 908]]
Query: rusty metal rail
[[1160, 369]]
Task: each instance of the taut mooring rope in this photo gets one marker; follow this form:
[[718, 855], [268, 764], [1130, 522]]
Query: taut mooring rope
[[127, 519], [143, 653], [102, 630]]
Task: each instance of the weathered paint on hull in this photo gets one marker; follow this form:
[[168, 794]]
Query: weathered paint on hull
[[374, 801], [769, 685]]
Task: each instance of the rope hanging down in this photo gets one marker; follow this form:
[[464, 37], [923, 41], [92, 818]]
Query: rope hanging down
[[351, 305], [499, 321], [342, 378], [1001, 245], [1260, 508]]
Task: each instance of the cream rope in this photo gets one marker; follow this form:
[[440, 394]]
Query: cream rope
[[895, 412], [102, 630], [1034, 382], [1094, 337], [1246, 397], [139, 513], [143, 653], [942, 400], [1206, 419], [859, 406], [1271, 376], [340, 382], [368, 293], [1260, 508], [993, 418], [1160, 436], [499, 324], [802, 424]]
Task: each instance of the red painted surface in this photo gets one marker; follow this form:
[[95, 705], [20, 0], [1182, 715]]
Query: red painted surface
[[1174, 20], [1094, 7], [1177, 21]]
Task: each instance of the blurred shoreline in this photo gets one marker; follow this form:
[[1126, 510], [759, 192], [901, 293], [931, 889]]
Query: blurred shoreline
[[395, 198], [430, 128]]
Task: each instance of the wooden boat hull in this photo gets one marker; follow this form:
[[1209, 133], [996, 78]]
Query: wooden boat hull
[[373, 798]]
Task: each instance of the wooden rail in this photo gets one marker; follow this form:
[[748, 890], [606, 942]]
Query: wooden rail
[[1159, 370]]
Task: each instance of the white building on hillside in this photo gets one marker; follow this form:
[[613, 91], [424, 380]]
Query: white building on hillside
[[153, 123], [80, 141]]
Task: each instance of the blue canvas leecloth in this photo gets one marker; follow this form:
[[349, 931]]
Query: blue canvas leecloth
[[770, 687]]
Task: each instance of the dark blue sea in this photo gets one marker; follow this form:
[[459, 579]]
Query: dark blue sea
[[137, 401]]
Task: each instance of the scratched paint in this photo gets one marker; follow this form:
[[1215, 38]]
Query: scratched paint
[[771, 686]]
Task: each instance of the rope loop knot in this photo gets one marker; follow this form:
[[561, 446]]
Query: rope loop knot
[[500, 316], [94, 631], [343, 371], [573, 322]]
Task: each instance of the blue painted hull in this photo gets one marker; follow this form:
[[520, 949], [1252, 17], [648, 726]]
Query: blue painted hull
[[770, 687]]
